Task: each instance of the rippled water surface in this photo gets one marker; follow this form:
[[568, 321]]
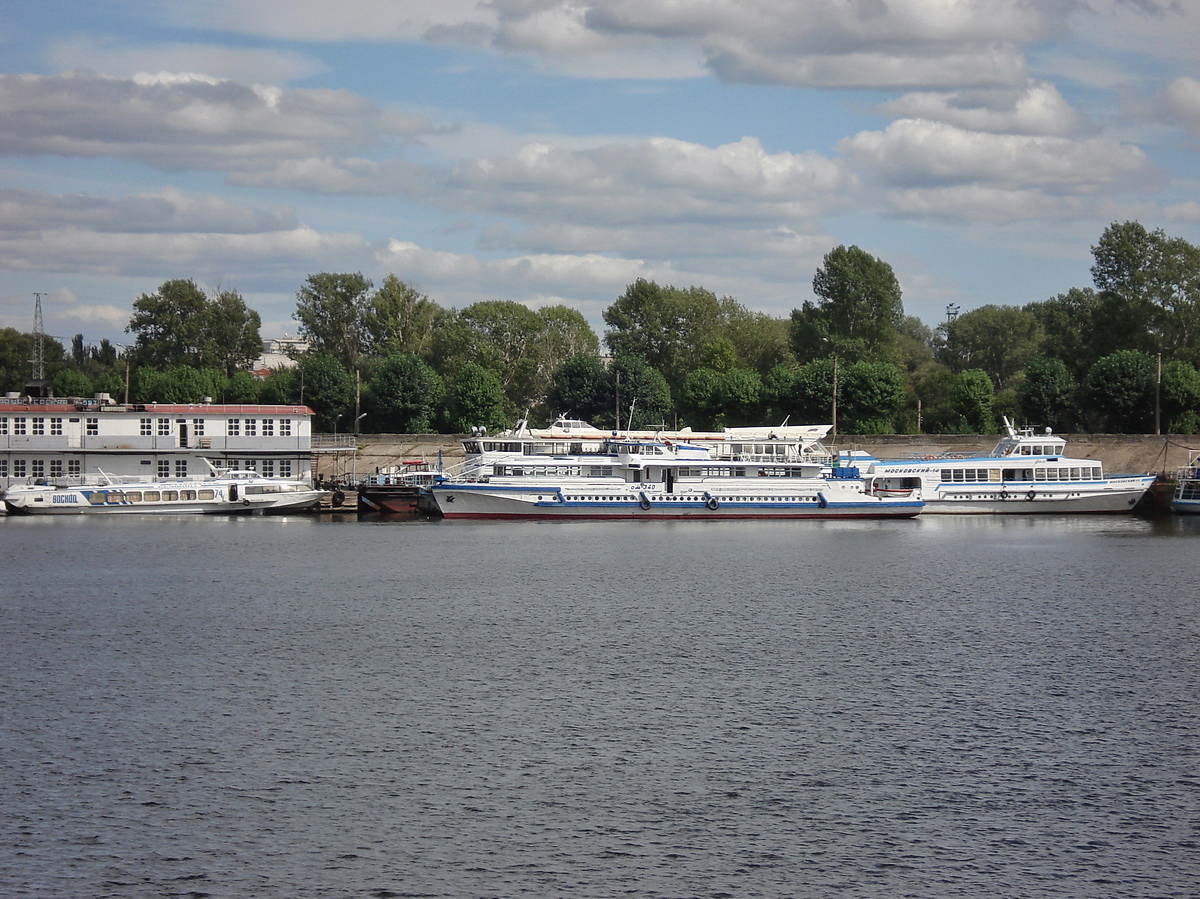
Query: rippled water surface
[[299, 707]]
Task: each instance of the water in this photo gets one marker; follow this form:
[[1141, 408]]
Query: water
[[296, 707]]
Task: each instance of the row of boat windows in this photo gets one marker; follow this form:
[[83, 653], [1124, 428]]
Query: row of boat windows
[[163, 426], [101, 497], [1050, 473], [55, 468], [607, 471], [626, 498], [1034, 449]]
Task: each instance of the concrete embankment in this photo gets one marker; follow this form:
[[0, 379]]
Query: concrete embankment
[[1120, 453]]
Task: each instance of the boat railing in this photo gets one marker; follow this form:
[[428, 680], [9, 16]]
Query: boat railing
[[946, 455]]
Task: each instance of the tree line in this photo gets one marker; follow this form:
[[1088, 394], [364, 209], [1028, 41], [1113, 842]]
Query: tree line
[[1119, 356]]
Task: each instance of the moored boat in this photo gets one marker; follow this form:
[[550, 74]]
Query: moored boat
[[1026, 473], [663, 479], [1186, 499], [397, 491], [228, 492]]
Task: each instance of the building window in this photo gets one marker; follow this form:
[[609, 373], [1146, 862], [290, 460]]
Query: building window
[[39, 427], [146, 427], [181, 468], [234, 426], [164, 468], [164, 427], [251, 427], [73, 468], [285, 468], [19, 426], [285, 428], [4, 425], [18, 468], [37, 468], [198, 427], [3, 468], [56, 468], [268, 427], [56, 427], [268, 468], [92, 426]]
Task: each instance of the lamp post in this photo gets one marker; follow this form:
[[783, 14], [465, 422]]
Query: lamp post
[[354, 457], [834, 397]]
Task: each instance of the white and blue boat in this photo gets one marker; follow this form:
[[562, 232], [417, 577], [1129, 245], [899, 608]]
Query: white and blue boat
[[1026, 473], [661, 479], [1186, 499]]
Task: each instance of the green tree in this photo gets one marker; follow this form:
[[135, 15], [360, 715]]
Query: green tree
[[668, 328], [1071, 328], [1118, 393], [72, 382], [1047, 395], [581, 388], [973, 397], [327, 388], [858, 312], [1000, 340], [401, 319], [476, 398], [812, 392], [700, 398], [332, 309], [242, 387], [641, 393], [1180, 397], [405, 395], [282, 388], [180, 325], [778, 386], [740, 396], [870, 396], [1152, 282]]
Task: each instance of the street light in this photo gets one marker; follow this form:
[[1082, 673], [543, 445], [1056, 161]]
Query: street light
[[354, 454], [356, 421]]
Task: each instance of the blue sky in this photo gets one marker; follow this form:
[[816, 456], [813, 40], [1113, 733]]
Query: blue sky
[[553, 151]]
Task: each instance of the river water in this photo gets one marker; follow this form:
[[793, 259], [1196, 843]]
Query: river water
[[300, 707]]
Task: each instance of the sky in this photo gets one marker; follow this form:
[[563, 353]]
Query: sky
[[555, 151]]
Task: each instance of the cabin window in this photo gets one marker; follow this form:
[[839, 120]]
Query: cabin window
[[91, 426], [181, 468], [98, 497], [170, 496], [73, 468], [145, 427], [207, 494], [150, 496], [233, 427], [56, 427], [1074, 474], [133, 496], [187, 494]]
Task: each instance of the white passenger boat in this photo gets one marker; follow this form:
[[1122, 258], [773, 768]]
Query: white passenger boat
[[228, 492], [1186, 500], [662, 479], [1026, 473]]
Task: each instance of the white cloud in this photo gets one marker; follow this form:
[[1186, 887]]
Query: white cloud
[[1037, 108], [914, 153], [1181, 102], [190, 122]]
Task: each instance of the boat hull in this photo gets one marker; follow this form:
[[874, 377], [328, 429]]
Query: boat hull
[[389, 500], [1037, 499], [133, 500], [456, 501]]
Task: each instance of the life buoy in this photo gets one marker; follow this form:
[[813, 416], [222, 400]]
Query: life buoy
[[1030, 495], [713, 503], [338, 498], [645, 504], [1004, 494]]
